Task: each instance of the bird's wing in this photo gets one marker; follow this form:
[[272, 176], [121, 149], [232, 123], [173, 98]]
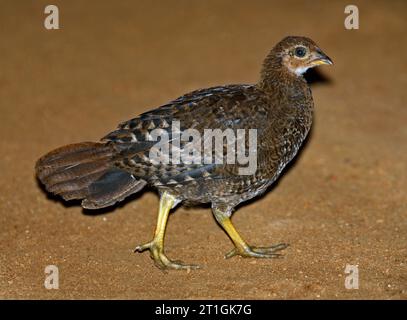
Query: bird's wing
[[229, 107]]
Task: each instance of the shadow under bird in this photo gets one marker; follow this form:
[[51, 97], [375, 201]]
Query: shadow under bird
[[279, 107]]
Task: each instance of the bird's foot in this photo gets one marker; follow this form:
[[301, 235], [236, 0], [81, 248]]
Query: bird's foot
[[257, 252], [161, 260]]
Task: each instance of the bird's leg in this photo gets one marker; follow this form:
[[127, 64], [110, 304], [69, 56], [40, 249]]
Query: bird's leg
[[156, 246], [241, 247]]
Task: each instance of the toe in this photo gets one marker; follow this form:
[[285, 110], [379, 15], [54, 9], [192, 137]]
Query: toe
[[271, 249], [258, 252], [143, 247], [161, 260], [231, 253], [179, 265]]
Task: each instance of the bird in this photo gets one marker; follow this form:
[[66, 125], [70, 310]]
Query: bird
[[279, 107]]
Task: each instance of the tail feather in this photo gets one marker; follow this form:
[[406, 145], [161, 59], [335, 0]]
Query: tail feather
[[113, 186], [86, 171], [74, 183], [72, 155], [75, 194]]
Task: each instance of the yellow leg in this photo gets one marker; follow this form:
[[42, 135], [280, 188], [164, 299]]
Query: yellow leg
[[241, 247], [156, 246]]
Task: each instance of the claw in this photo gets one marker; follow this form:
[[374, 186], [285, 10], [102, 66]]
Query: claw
[[143, 247], [161, 260]]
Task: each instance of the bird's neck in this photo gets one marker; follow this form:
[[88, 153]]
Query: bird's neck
[[276, 79], [281, 80]]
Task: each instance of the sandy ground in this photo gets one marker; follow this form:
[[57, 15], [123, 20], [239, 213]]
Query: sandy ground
[[342, 202]]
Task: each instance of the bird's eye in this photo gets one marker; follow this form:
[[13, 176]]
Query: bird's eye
[[300, 52]]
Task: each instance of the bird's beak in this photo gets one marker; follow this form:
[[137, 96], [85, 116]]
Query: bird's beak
[[321, 59]]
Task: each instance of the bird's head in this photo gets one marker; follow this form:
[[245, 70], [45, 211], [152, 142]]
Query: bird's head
[[297, 55]]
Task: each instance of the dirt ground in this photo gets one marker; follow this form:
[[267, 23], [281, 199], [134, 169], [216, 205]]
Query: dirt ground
[[342, 203]]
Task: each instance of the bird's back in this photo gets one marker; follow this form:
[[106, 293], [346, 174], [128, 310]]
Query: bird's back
[[167, 147], [280, 127]]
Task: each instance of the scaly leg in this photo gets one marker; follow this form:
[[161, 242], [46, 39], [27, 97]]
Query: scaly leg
[[156, 246], [241, 247]]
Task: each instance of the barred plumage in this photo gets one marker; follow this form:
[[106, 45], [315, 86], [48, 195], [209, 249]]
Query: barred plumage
[[279, 107]]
